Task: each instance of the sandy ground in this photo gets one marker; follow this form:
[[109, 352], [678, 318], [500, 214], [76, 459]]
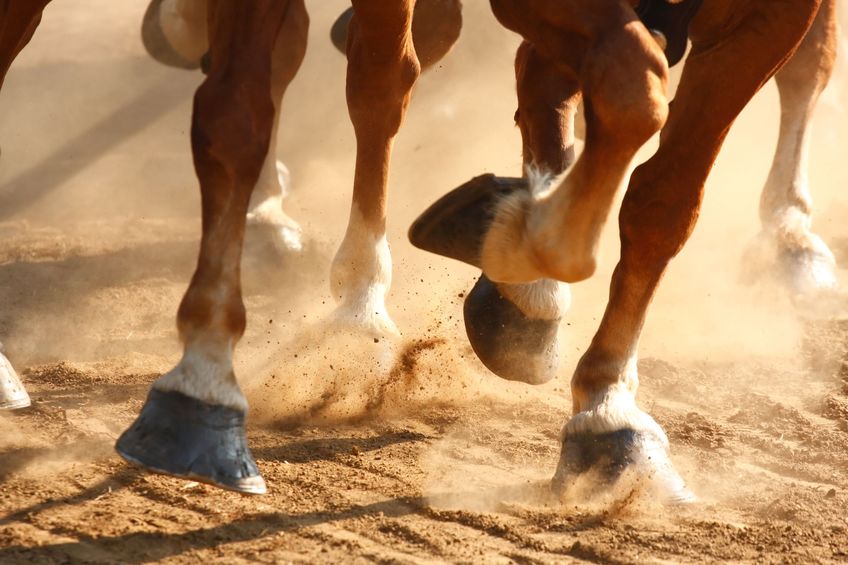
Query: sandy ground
[[406, 451]]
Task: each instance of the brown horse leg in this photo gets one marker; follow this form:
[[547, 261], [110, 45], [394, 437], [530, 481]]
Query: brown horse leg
[[608, 431], [436, 25], [382, 69], [804, 261], [513, 327], [18, 20], [192, 424], [266, 204]]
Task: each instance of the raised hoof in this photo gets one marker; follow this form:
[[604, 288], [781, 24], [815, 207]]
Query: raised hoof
[[511, 345], [155, 42], [13, 395], [456, 224], [181, 436], [338, 33], [602, 459]]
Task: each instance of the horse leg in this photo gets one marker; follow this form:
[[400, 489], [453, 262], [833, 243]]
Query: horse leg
[[382, 69], [804, 262], [192, 424], [266, 204], [436, 25], [553, 232], [608, 432], [513, 327], [18, 20]]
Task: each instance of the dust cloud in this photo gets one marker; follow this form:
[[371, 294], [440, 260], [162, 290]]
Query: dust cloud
[[100, 222]]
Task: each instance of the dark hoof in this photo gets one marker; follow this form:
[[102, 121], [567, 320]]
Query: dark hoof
[[157, 45], [13, 395], [455, 225], [181, 436], [604, 458], [511, 345], [338, 33], [672, 20]]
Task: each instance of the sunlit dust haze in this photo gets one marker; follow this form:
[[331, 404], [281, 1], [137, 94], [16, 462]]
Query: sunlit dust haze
[[99, 218]]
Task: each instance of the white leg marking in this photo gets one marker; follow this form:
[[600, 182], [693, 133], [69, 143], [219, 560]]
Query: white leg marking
[[361, 276], [206, 373], [613, 409], [544, 299], [785, 213], [552, 230], [266, 205]]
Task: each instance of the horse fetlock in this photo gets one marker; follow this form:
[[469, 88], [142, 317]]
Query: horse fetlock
[[524, 244], [285, 233], [609, 409], [610, 441], [794, 255], [365, 311], [360, 278], [205, 373]]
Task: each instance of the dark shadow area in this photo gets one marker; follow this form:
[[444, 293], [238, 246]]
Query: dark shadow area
[[49, 294], [117, 480], [144, 547], [323, 449], [13, 460], [74, 156]]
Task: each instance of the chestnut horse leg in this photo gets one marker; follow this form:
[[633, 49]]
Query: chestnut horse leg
[[18, 20], [266, 204], [382, 69], [513, 327], [550, 230], [436, 25], [608, 431], [174, 32], [192, 424], [805, 263], [553, 231]]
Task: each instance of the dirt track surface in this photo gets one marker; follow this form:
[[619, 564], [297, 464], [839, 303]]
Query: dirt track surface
[[396, 451]]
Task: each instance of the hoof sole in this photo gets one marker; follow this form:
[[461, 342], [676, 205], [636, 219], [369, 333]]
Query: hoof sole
[[13, 395], [183, 437], [455, 225], [511, 345], [157, 45], [607, 456]]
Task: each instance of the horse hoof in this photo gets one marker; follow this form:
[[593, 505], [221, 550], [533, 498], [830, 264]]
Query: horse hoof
[[455, 225], [603, 459], [808, 272], [338, 33], [13, 395], [157, 45], [510, 344], [181, 436]]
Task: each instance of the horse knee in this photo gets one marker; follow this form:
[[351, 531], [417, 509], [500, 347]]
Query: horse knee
[[382, 69], [232, 123], [625, 83]]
